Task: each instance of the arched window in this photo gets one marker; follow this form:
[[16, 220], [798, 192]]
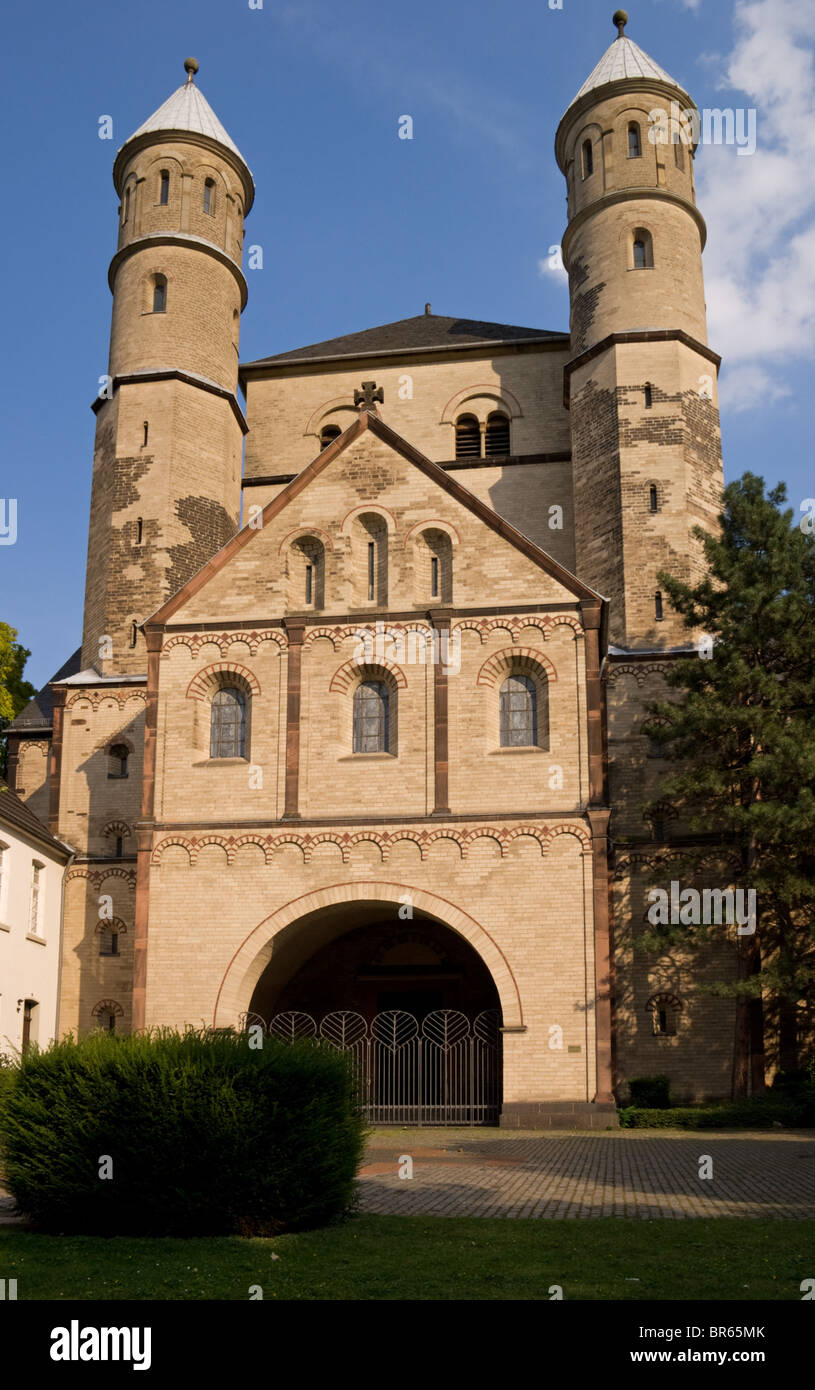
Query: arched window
[[126, 206], [227, 728], [106, 1013], [164, 187], [665, 1010], [328, 434], [372, 717], [679, 151], [468, 437], [159, 294], [306, 573], [497, 436], [658, 606], [519, 712], [642, 249], [139, 531], [145, 432], [649, 396], [134, 633], [371, 557], [634, 142], [587, 159], [433, 558], [108, 941], [653, 498], [118, 755], [209, 196]]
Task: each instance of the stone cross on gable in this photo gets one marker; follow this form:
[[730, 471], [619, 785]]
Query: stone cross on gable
[[368, 396]]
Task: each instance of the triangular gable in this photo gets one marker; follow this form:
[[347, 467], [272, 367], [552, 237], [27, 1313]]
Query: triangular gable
[[369, 421]]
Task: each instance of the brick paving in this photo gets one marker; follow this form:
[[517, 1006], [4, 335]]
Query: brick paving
[[637, 1174]]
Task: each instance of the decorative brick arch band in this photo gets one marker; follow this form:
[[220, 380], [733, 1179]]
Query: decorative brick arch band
[[202, 684], [515, 659], [344, 677], [251, 958]]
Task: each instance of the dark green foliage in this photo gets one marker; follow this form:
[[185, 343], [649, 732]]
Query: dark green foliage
[[745, 1114], [742, 736], [15, 693], [207, 1136], [650, 1092]]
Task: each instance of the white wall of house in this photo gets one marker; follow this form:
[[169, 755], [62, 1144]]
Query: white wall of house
[[29, 937]]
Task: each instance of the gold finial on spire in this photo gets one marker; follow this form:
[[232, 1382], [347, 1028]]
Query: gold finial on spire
[[620, 19], [190, 68]]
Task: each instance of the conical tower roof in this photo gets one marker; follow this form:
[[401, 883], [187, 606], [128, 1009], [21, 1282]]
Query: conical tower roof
[[625, 61], [187, 112]]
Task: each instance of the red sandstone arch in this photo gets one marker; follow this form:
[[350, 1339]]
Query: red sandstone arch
[[252, 957]]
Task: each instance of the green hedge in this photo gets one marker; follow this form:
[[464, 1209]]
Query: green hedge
[[207, 1136], [650, 1092], [748, 1114]]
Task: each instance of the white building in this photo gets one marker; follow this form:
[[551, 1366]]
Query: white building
[[32, 869]]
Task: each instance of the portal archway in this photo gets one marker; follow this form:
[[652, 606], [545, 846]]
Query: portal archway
[[283, 942]]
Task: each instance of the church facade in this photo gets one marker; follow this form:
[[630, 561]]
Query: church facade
[[353, 732]]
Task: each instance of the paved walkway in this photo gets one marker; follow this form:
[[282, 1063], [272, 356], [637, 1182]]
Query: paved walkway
[[636, 1173], [639, 1174]]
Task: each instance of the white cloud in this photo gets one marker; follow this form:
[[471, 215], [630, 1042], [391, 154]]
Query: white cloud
[[749, 387], [760, 209]]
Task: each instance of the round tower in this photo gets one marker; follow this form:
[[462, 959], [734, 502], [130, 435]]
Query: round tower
[[641, 384], [167, 462]]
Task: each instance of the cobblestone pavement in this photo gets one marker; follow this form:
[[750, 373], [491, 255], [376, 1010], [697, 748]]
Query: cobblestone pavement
[[635, 1174]]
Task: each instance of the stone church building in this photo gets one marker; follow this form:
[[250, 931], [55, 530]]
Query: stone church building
[[351, 745]]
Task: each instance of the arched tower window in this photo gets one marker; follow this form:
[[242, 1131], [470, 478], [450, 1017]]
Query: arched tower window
[[658, 614], [653, 500], [468, 437], [642, 249], [496, 440], [126, 206], [634, 141], [109, 940], [679, 153], [227, 738], [665, 1010], [587, 159], [209, 196], [328, 434], [164, 187], [649, 396], [519, 712], [372, 717], [118, 755], [159, 294]]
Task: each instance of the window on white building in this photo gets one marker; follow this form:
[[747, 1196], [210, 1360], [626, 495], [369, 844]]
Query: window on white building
[[37, 886]]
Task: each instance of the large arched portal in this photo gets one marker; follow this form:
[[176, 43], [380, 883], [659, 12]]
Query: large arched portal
[[410, 997]]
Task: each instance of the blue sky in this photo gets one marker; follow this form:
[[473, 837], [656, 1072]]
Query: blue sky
[[359, 227]]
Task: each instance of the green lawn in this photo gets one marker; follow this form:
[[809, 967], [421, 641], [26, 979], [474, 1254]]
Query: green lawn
[[414, 1257]]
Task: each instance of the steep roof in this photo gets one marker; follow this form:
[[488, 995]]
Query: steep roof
[[187, 109], [623, 59], [39, 712], [16, 815], [424, 331]]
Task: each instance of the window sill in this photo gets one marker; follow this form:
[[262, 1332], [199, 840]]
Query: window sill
[[40, 940], [367, 758], [223, 762], [523, 748]]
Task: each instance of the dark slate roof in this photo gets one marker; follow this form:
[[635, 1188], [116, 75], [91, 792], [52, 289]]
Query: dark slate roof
[[38, 713], [423, 331], [16, 815]]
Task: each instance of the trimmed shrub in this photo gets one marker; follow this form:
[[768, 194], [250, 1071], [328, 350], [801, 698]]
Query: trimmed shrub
[[206, 1136], [650, 1092], [746, 1114]]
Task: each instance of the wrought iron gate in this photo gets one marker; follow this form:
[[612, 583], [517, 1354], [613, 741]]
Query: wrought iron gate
[[445, 1070]]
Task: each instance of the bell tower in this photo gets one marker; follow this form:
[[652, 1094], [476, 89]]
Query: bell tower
[[641, 383], [169, 427]]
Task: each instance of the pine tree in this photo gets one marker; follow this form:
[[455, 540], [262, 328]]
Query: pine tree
[[741, 730]]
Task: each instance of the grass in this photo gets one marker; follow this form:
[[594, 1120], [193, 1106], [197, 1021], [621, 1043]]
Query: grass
[[414, 1257]]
